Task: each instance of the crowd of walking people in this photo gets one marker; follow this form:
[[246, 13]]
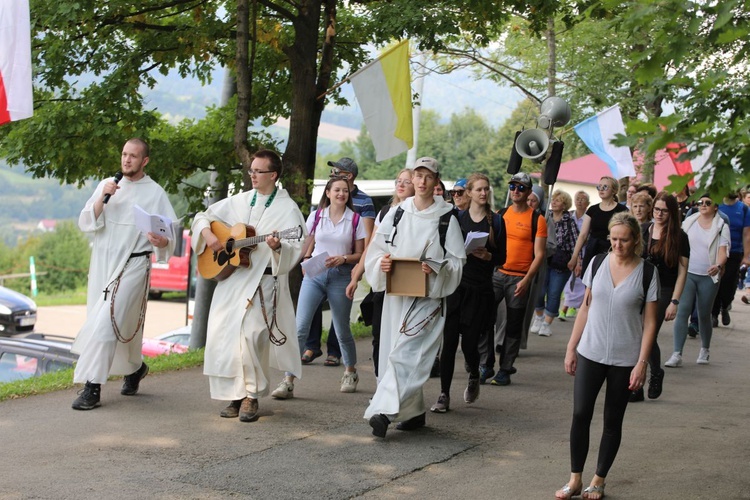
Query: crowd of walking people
[[489, 277]]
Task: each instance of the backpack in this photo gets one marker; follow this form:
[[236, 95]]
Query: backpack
[[648, 273], [443, 224], [355, 222], [502, 238]]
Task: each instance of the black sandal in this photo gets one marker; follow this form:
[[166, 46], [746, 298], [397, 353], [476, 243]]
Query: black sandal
[[309, 358]]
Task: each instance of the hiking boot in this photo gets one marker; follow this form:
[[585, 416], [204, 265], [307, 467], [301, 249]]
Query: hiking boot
[[655, 384], [636, 396], [485, 372], [702, 357], [471, 393], [674, 361], [249, 410], [379, 424], [443, 404], [349, 382], [412, 424], [232, 410], [285, 390], [88, 398], [725, 319], [502, 378], [133, 381], [545, 330]]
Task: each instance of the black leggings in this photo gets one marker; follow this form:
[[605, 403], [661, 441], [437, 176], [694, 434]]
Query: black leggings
[[590, 377]]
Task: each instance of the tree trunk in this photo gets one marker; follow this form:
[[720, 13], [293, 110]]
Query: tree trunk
[[308, 82]]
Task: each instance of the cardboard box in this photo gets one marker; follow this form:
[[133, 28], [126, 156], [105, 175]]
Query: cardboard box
[[406, 278]]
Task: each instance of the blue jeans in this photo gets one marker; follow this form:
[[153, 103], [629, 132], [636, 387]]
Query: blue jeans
[[331, 285], [554, 282], [701, 292]]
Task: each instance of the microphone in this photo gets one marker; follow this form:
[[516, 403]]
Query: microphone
[[118, 176]]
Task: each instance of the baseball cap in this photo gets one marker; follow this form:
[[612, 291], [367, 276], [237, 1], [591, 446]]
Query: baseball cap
[[430, 164], [345, 164], [460, 183], [521, 178]]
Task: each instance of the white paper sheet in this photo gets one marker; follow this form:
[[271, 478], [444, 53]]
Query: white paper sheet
[[474, 240], [152, 223], [315, 265]]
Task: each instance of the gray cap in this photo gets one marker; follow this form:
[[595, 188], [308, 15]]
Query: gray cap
[[430, 164], [345, 164], [521, 178]]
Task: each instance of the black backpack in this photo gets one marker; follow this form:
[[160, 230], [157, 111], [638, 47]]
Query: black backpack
[[648, 273]]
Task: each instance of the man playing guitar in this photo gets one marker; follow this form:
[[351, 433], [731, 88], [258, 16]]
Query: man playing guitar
[[246, 332]]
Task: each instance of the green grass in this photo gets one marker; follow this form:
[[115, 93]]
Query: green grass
[[69, 298], [50, 382]]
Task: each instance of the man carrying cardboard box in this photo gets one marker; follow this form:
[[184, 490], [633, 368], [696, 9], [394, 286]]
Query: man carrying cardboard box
[[412, 326]]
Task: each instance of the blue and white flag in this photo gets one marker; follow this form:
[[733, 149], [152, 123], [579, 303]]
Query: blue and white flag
[[598, 132]]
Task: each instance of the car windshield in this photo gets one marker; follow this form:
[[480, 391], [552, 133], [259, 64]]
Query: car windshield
[[16, 367]]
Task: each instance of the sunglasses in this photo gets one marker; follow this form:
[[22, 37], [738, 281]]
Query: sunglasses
[[602, 187], [520, 187], [705, 203], [336, 172], [457, 192]]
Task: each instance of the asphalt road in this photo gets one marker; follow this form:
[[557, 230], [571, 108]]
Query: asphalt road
[[169, 442]]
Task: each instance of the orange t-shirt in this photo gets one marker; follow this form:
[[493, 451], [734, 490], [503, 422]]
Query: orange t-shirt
[[519, 247]]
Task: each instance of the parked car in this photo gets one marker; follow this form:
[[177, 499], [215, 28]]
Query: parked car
[[150, 347], [173, 275], [17, 312], [179, 336], [22, 358]]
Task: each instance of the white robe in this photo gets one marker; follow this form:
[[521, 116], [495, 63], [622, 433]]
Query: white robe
[[406, 359], [238, 350], [115, 238]]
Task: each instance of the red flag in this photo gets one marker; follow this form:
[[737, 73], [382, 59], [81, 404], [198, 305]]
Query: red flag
[[16, 97], [675, 150]]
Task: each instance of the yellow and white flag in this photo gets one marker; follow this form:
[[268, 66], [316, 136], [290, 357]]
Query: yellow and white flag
[[383, 90]]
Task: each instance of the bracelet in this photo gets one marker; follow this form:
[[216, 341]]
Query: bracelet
[[344, 259]]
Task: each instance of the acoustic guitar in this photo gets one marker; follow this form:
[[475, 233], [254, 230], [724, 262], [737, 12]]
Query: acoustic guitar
[[238, 241]]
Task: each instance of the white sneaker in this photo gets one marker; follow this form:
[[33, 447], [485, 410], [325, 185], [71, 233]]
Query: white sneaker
[[674, 361], [536, 323], [545, 330], [703, 357], [285, 390], [349, 382]]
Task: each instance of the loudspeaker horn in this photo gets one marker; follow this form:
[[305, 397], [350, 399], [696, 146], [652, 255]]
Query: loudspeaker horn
[[553, 112], [532, 144]]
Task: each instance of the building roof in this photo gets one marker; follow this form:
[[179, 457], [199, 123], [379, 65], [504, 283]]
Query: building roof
[[589, 169]]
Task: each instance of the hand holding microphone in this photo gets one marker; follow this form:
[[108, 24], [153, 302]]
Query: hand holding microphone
[[118, 176]]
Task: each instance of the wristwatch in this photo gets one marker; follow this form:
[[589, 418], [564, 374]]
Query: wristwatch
[[344, 259], [675, 302]]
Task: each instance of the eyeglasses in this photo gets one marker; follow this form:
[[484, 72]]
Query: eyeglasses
[[457, 192], [403, 182], [520, 187], [254, 173], [661, 211], [705, 203], [602, 187]]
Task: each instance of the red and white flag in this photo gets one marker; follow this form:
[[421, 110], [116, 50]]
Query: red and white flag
[[16, 97]]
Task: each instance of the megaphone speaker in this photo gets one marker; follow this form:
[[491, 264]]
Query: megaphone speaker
[[515, 160], [553, 112], [532, 144], [552, 168]]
